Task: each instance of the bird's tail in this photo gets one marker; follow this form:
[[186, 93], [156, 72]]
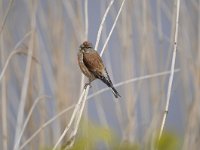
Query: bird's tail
[[116, 94], [108, 82]]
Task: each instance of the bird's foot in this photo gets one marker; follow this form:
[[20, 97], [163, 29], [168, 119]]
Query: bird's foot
[[87, 84]]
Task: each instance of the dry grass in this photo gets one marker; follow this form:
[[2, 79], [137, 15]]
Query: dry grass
[[40, 90]]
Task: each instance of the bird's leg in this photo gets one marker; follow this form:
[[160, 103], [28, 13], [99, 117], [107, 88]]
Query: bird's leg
[[87, 84]]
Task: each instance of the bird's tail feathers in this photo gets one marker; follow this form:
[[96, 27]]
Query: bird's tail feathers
[[108, 82], [116, 94]]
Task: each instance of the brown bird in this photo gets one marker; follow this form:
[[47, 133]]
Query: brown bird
[[92, 66]]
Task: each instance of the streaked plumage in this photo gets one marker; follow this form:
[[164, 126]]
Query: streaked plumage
[[92, 66]]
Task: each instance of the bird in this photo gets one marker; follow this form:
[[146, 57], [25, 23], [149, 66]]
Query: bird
[[93, 67]]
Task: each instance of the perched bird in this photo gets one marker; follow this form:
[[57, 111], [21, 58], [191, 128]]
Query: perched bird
[[92, 66]]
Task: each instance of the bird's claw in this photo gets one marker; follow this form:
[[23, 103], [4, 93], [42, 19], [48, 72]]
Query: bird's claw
[[87, 84]]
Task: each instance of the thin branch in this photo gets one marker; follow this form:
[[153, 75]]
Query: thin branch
[[20, 115], [45, 125], [172, 70], [86, 37], [102, 23], [28, 118], [7, 62], [133, 80], [73, 18], [4, 112], [6, 15], [77, 121], [86, 18], [71, 120], [15, 51], [114, 24]]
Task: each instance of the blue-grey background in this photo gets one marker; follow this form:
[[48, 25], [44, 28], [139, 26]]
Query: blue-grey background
[[141, 44]]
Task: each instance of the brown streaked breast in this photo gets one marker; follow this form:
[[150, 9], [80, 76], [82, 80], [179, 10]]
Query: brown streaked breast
[[83, 68]]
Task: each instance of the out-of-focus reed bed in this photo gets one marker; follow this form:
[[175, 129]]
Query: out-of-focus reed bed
[[41, 86]]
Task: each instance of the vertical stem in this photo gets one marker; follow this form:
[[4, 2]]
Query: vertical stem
[[172, 69], [6, 15], [4, 104], [86, 18], [76, 109], [113, 26], [3, 98], [102, 23], [86, 37], [20, 115]]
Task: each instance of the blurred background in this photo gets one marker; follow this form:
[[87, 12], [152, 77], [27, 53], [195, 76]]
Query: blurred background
[[39, 41]]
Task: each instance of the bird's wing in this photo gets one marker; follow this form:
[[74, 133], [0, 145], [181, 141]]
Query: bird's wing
[[94, 63]]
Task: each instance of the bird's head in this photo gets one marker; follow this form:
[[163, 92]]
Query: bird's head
[[85, 46]]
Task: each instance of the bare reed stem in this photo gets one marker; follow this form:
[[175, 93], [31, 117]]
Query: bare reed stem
[[71, 120], [6, 15], [132, 80], [20, 115], [45, 125], [27, 119], [15, 51], [172, 69], [4, 99], [102, 23], [114, 24]]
